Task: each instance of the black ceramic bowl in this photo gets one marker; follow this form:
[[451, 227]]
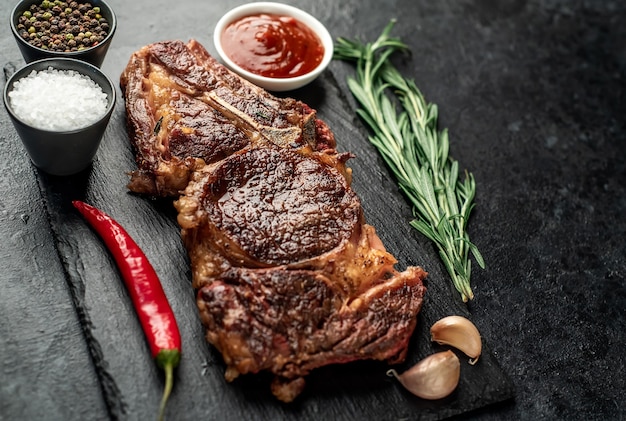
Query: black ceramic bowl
[[94, 55], [62, 152]]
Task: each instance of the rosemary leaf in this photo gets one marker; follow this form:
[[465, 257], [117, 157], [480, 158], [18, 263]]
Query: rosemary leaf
[[405, 133]]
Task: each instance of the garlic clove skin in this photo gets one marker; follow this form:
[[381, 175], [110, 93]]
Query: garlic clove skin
[[434, 377], [459, 332]]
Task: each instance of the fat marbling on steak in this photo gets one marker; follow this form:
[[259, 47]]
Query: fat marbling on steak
[[289, 277]]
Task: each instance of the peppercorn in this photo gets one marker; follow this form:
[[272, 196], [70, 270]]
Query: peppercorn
[[58, 25]]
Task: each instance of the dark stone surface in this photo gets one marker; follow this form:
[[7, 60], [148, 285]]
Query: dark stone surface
[[533, 93]]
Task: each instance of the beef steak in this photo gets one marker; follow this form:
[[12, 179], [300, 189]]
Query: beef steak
[[292, 321], [289, 277], [266, 207], [185, 110]]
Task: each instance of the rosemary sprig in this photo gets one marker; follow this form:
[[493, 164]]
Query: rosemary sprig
[[404, 130]]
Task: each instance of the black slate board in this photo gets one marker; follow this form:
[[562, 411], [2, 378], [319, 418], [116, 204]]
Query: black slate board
[[128, 379]]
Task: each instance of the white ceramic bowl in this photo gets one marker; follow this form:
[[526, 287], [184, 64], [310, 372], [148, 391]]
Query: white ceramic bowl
[[274, 84]]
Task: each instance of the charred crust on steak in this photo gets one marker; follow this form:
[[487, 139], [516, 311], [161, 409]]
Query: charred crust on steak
[[300, 321], [278, 206]]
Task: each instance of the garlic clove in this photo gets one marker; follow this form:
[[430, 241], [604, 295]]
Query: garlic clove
[[434, 377], [459, 332]]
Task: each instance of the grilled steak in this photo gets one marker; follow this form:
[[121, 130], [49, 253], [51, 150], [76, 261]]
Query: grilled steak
[[288, 274], [186, 110]]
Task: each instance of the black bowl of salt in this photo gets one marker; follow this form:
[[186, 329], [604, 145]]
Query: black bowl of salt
[[60, 109]]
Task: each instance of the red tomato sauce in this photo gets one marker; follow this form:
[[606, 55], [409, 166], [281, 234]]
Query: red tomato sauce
[[272, 45]]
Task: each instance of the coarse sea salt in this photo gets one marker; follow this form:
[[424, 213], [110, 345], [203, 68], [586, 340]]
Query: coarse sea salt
[[58, 100]]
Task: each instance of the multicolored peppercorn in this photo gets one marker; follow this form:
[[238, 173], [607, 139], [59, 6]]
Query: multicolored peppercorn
[[63, 26]]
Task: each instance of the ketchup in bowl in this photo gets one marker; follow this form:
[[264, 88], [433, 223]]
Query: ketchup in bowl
[[272, 45]]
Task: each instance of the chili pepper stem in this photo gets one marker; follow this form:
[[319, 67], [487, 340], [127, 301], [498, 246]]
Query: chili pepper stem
[[167, 359], [169, 383]]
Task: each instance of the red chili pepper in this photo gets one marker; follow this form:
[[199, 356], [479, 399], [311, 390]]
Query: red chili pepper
[[154, 311]]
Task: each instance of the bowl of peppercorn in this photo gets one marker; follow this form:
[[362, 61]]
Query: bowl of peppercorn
[[81, 30]]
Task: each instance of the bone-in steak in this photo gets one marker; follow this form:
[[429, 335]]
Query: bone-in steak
[[289, 276], [186, 110]]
